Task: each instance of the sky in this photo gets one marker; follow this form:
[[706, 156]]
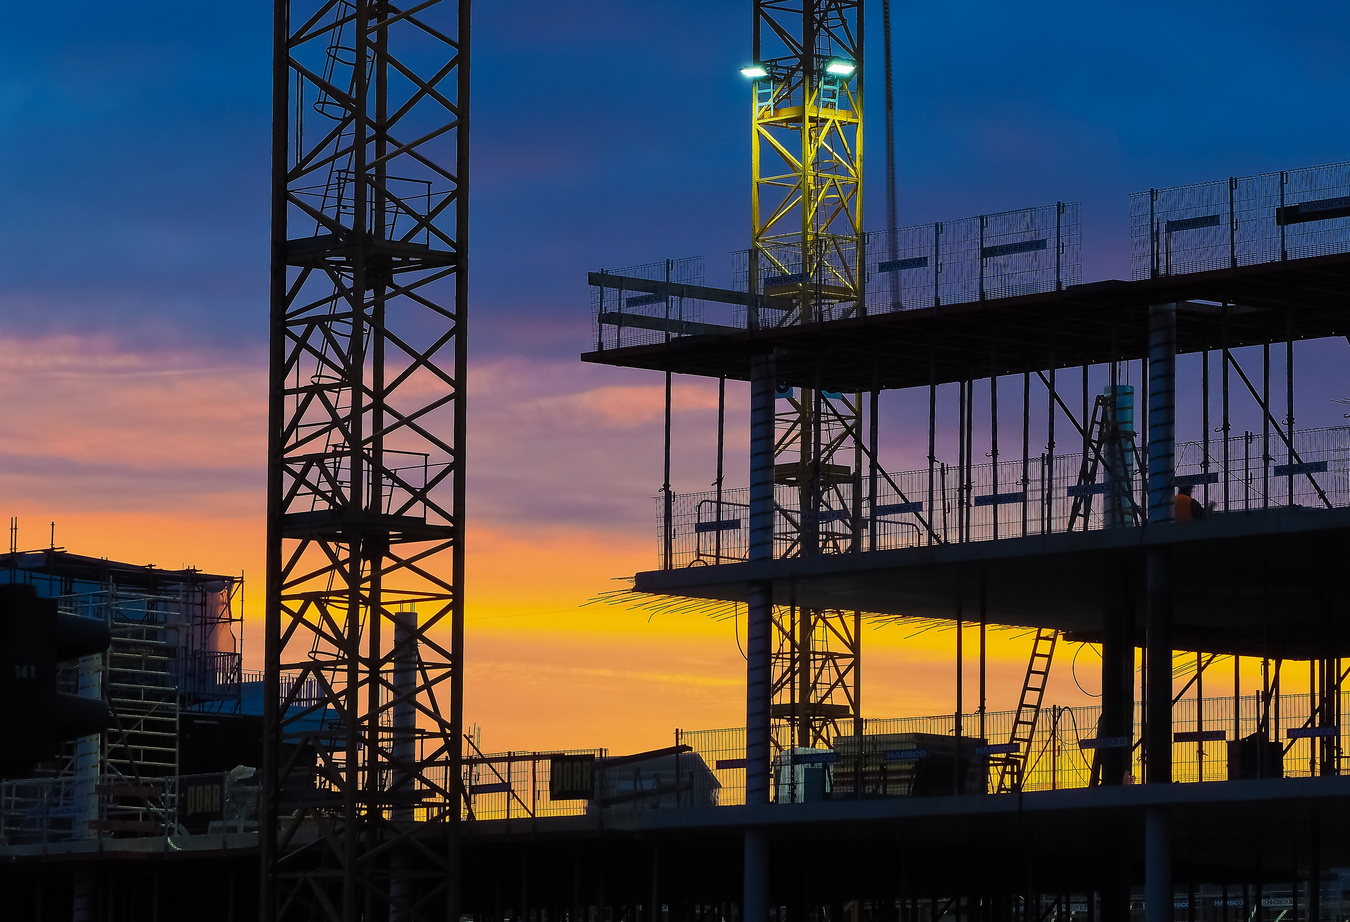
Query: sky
[[133, 282]]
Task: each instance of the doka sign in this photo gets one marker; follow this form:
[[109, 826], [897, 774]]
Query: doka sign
[[570, 777]]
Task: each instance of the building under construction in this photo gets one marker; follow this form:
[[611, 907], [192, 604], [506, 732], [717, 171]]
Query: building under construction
[[948, 429], [174, 685], [1114, 463]]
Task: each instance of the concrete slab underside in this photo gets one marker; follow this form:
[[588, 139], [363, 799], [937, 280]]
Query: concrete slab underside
[[1084, 324], [1266, 583], [1077, 839]]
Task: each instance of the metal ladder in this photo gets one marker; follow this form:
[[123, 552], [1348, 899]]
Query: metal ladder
[[1011, 764], [1104, 451]]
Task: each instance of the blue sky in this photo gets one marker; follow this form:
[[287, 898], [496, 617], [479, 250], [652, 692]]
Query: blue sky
[[135, 137], [133, 273]]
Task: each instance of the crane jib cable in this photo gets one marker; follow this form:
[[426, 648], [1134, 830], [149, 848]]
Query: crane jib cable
[[892, 244]]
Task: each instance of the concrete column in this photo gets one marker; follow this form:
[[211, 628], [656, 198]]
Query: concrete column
[[1157, 865], [84, 897], [404, 747], [1162, 375], [1158, 608], [87, 753], [758, 648], [759, 610], [1158, 577], [1117, 683], [763, 382], [1158, 689], [755, 904], [1118, 474]]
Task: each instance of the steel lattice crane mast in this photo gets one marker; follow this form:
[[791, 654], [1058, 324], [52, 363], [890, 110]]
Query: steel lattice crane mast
[[365, 551], [806, 261]]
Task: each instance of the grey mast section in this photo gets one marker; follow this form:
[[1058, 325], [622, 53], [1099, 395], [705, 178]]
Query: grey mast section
[[759, 609]]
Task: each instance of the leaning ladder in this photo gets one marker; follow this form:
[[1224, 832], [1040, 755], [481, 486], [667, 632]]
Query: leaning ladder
[[1012, 764]]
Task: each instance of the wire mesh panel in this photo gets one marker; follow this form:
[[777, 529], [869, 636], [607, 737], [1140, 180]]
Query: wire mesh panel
[[506, 785], [1051, 493], [1240, 221], [723, 751], [1061, 753], [625, 315], [830, 262], [1026, 251]]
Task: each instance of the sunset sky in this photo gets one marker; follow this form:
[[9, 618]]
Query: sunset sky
[[133, 282]]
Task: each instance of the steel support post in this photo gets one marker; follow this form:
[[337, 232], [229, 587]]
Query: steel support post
[[667, 498], [1158, 694]]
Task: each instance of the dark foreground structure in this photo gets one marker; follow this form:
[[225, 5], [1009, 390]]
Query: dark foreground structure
[[1166, 553]]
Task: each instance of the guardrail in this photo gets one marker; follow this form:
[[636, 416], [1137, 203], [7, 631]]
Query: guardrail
[[1010, 499], [1025, 251], [1240, 221], [46, 811], [907, 756]]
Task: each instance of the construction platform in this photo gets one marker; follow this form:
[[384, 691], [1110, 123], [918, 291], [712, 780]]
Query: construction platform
[[1256, 583], [1251, 580], [1089, 324], [911, 850]]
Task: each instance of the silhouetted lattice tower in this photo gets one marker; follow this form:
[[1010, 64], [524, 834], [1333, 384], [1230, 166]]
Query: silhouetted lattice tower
[[365, 474]]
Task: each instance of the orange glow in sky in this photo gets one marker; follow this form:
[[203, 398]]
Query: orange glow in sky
[[159, 458]]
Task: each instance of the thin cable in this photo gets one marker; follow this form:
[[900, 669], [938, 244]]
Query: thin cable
[[892, 244], [1073, 670]]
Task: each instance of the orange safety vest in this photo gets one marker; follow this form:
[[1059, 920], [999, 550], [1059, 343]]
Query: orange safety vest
[[1181, 508]]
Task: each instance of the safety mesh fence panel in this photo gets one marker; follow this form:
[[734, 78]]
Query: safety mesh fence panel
[[1062, 750], [826, 270], [898, 756], [1240, 221], [66, 808], [1022, 252], [622, 316], [1048, 494], [506, 785]]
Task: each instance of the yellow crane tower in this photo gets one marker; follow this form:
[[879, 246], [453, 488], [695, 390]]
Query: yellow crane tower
[[806, 261]]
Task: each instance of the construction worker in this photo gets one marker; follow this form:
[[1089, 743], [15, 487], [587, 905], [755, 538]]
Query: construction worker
[[1185, 507]]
